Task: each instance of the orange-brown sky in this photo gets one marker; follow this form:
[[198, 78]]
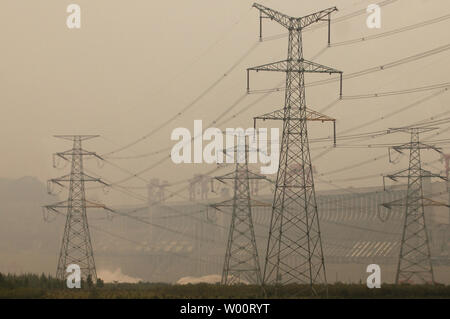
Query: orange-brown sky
[[133, 64]]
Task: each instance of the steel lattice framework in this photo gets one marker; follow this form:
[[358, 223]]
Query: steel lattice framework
[[414, 263], [76, 247], [241, 257], [294, 249]]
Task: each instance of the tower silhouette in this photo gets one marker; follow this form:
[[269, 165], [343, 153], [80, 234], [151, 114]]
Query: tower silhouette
[[414, 263], [241, 262], [76, 246], [294, 248]]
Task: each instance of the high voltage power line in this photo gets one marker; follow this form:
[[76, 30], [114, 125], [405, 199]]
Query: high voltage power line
[[351, 137], [356, 74], [392, 32], [213, 122], [182, 215], [261, 225], [389, 115], [125, 215], [208, 261], [141, 244], [234, 65], [352, 75], [359, 164], [188, 106], [443, 86], [336, 20], [366, 135]]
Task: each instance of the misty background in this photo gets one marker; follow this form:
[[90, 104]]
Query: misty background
[[135, 64]]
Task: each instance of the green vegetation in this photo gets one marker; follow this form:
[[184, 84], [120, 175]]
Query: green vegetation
[[35, 286]]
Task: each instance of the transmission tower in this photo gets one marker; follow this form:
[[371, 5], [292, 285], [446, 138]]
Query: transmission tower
[[241, 257], [414, 263], [76, 247], [294, 249]]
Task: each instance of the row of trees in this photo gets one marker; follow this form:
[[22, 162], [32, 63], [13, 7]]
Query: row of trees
[[43, 281], [11, 281], [44, 286]]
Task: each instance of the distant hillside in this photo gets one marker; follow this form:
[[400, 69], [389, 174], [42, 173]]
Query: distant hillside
[[25, 189], [25, 239]]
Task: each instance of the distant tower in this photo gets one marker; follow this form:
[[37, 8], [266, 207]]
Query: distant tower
[[205, 180], [153, 192], [241, 258], [192, 183], [414, 263], [254, 187], [76, 247], [162, 191], [294, 249], [150, 194], [446, 158]]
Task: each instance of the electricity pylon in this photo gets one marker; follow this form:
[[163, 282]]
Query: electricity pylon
[[76, 247], [294, 249], [241, 257], [414, 261]]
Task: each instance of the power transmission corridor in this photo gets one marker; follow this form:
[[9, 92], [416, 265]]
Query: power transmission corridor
[[76, 247], [294, 249], [241, 258]]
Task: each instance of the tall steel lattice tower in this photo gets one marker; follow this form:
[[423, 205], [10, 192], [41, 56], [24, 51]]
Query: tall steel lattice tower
[[414, 263], [76, 247], [294, 249], [241, 257]]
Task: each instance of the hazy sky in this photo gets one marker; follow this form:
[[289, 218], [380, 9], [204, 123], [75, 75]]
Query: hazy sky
[[133, 64]]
